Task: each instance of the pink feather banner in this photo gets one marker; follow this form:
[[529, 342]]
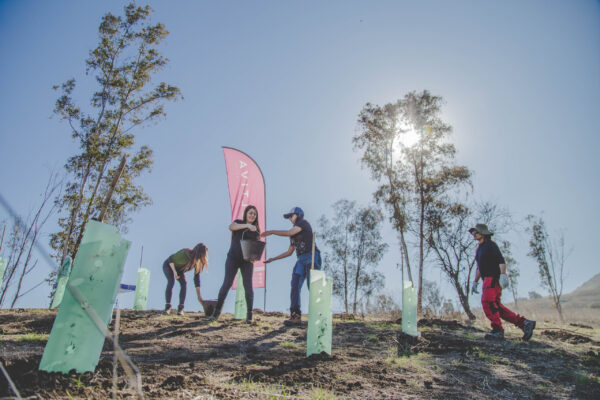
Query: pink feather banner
[[246, 187]]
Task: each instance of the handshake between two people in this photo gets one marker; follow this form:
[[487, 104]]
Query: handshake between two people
[[264, 235]]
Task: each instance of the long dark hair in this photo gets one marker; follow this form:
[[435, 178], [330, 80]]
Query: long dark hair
[[198, 258], [255, 223]]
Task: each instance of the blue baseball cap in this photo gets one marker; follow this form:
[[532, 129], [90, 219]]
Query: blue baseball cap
[[295, 210]]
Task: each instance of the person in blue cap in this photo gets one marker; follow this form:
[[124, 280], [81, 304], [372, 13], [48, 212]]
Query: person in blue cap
[[301, 240]]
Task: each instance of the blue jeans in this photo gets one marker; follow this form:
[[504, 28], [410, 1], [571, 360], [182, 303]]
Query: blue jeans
[[301, 272]]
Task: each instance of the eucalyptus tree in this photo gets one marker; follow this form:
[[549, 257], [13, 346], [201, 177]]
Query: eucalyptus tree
[[411, 176], [123, 65], [367, 251], [512, 270], [380, 131], [551, 256], [353, 248], [335, 235]]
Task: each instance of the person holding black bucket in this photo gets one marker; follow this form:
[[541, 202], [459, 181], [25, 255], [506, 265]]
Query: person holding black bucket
[[241, 229], [175, 268], [301, 239]]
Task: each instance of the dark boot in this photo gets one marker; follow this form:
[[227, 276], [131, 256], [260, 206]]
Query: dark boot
[[249, 317], [180, 310], [216, 312], [528, 327], [295, 319], [494, 335], [167, 308]]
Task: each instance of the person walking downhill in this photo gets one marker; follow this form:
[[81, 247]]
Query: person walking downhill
[[301, 239], [247, 228], [491, 267], [175, 268]]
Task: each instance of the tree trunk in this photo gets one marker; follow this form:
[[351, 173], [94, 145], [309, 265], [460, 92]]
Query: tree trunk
[[419, 185], [356, 286], [402, 240], [2, 241], [100, 176], [87, 212], [346, 272], [74, 212], [405, 255], [558, 308], [464, 299], [16, 262], [357, 276], [421, 261], [27, 259], [111, 189]]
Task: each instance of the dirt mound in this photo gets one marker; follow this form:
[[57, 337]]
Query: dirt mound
[[269, 313], [25, 373], [305, 370], [445, 324], [344, 316], [581, 326], [174, 382], [567, 337], [31, 323], [408, 344]]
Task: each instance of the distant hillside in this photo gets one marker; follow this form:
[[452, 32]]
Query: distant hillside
[[581, 305], [589, 290]]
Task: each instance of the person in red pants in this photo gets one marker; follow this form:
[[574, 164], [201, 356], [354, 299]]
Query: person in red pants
[[491, 267]]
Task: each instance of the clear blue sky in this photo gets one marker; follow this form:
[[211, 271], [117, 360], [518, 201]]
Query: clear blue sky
[[285, 81]]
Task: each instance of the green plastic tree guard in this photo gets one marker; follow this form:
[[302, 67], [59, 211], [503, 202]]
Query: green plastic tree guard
[[141, 289], [75, 341], [318, 336], [240, 299], [61, 282], [409, 309], [2, 268]]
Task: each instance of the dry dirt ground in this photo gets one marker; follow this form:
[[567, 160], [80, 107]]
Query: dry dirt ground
[[191, 358]]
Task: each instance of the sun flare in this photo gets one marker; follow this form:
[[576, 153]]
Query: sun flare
[[409, 138]]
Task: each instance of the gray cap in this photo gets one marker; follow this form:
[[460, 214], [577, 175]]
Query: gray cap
[[482, 229]]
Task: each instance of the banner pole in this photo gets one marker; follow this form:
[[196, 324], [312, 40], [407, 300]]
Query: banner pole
[[312, 263], [141, 256], [265, 265]]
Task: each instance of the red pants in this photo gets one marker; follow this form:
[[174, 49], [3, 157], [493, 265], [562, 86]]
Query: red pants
[[493, 308]]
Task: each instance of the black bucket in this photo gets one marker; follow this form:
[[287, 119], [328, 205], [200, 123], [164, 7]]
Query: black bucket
[[209, 307], [252, 250]]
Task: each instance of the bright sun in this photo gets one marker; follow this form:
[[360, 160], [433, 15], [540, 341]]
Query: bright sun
[[410, 137]]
